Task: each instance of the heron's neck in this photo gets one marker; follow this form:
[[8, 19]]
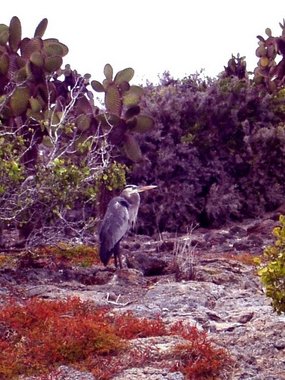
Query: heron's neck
[[133, 198]]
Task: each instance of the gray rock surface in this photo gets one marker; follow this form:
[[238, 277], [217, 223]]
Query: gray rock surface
[[222, 296]]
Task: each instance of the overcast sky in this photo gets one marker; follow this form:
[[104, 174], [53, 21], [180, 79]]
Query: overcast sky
[[152, 36]]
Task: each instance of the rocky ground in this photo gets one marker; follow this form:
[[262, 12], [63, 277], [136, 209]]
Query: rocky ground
[[205, 278]]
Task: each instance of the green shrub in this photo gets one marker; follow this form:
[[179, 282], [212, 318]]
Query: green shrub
[[272, 273]]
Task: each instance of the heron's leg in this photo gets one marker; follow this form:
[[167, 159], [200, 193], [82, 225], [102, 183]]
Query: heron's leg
[[117, 256]]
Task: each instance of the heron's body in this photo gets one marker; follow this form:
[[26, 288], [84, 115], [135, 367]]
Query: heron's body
[[120, 217]]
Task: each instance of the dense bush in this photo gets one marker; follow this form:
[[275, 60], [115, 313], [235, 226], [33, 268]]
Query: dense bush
[[216, 152]]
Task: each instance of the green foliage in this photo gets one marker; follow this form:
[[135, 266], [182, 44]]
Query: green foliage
[[111, 179], [114, 176], [272, 273], [67, 180], [11, 169], [79, 255], [278, 102]]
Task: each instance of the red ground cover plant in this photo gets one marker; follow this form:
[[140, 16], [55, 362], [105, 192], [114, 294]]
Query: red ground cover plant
[[130, 327], [37, 336], [40, 335], [198, 358]]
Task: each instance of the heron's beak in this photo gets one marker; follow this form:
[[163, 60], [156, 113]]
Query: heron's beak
[[146, 187]]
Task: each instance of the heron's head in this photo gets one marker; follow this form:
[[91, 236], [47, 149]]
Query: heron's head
[[134, 189]]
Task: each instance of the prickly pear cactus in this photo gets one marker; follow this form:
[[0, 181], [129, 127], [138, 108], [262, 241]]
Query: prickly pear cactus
[[33, 94], [122, 114], [33, 100], [268, 71], [236, 67], [27, 62]]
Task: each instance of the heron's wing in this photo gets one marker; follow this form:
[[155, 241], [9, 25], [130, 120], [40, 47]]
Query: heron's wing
[[115, 223]]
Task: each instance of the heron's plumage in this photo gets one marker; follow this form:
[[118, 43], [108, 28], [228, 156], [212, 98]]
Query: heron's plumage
[[120, 216], [114, 226]]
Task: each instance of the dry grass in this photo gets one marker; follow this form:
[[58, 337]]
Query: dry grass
[[185, 260]]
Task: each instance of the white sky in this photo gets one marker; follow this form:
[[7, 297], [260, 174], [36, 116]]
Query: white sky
[[151, 36]]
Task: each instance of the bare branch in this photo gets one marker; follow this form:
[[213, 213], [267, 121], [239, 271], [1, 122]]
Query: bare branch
[[55, 208]]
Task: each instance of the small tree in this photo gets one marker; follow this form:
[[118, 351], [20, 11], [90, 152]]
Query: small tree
[[58, 150]]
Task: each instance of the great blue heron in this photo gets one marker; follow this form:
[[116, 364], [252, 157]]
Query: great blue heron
[[119, 218]]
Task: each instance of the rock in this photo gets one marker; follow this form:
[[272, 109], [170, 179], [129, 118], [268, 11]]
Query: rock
[[148, 264], [149, 373], [216, 237], [68, 373], [224, 298], [64, 373], [245, 317], [236, 316], [237, 231], [242, 245], [262, 227], [255, 240], [128, 277], [280, 344], [213, 317], [166, 246], [223, 326], [159, 348]]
